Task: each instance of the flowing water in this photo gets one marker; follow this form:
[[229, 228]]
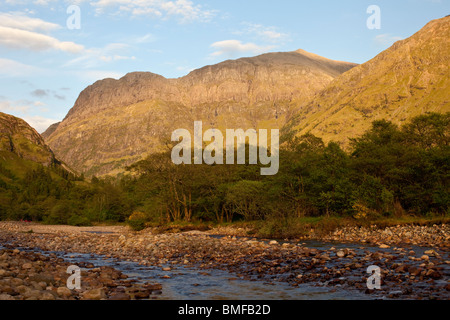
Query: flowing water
[[191, 283]]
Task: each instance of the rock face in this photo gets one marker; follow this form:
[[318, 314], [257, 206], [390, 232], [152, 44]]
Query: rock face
[[17, 138], [118, 122], [410, 78], [50, 130]]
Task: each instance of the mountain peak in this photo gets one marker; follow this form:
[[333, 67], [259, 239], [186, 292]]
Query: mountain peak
[[19, 138], [115, 123], [406, 80]]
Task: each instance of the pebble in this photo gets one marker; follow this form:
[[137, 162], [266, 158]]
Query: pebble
[[94, 294], [340, 254], [17, 283], [264, 259]]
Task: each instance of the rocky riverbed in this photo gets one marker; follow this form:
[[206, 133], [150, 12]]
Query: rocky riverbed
[[414, 261], [34, 276]]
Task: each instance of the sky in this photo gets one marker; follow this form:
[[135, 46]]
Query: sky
[[50, 50]]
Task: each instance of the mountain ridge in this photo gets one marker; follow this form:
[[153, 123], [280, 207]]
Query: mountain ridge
[[408, 79], [117, 122], [19, 138]]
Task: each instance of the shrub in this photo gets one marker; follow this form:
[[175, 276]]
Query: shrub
[[137, 221], [79, 221]]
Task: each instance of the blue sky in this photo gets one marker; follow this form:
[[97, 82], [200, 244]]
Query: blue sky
[[44, 64]]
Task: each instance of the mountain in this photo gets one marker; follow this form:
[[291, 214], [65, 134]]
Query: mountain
[[22, 149], [115, 123], [408, 79], [50, 130], [19, 140]]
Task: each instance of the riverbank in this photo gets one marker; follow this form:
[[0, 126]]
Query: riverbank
[[411, 268], [26, 275]]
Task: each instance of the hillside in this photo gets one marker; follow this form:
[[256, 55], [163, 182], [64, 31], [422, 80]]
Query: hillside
[[22, 149], [115, 123], [18, 139], [409, 79]]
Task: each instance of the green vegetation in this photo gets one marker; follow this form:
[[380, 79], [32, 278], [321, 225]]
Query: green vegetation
[[54, 196], [391, 174]]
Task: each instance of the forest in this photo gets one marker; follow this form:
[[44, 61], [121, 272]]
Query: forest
[[389, 171]]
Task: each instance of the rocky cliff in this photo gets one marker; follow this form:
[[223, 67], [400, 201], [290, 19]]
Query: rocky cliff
[[18, 138], [115, 123]]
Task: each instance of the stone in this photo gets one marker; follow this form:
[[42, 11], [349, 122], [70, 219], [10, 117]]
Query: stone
[[4, 297], [395, 294], [32, 294], [384, 246], [431, 253], [340, 254], [119, 296], [47, 296], [142, 294], [21, 289], [27, 266], [64, 292], [94, 294], [43, 277], [414, 271], [436, 275]]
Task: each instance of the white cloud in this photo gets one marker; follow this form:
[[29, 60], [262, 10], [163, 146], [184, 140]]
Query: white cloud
[[386, 39], [116, 58], [144, 39], [95, 75], [16, 2], [184, 10], [36, 2], [40, 124], [93, 57], [39, 104], [13, 68], [23, 39], [19, 31], [270, 34], [20, 21], [231, 48], [21, 106]]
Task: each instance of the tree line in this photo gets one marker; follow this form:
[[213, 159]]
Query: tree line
[[388, 171]]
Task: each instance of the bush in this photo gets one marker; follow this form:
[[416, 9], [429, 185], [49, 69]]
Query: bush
[[137, 221], [79, 221], [286, 228]]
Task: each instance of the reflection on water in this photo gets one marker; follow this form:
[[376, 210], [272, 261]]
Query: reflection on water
[[187, 283], [191, 283]]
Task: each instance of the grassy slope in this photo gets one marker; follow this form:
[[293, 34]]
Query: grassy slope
[[409, 79]]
